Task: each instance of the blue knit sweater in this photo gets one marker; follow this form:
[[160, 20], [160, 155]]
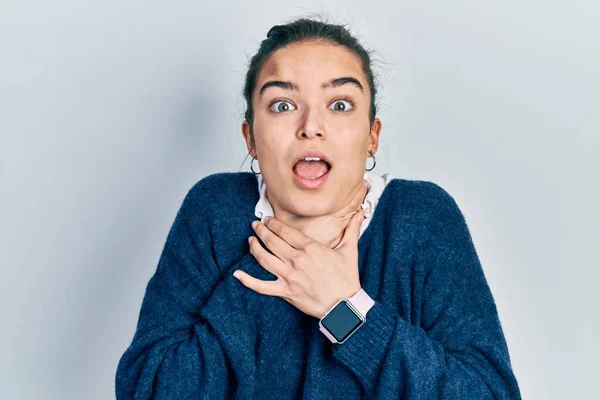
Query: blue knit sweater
[[433, 333]]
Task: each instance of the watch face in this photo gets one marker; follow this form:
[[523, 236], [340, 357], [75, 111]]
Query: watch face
[[341, 321]]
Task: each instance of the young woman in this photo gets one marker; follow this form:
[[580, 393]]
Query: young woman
[[348, 291]]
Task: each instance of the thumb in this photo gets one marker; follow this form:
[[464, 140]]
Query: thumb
[[352, 232]]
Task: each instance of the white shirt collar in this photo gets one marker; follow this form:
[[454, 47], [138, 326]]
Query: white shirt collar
[[377, 185]]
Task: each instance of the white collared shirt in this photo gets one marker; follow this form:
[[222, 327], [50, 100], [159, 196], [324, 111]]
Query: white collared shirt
[[377, 185]]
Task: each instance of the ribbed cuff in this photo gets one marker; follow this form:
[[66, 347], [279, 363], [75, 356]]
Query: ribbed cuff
[[364, 352]]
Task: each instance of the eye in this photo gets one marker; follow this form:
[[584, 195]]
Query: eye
[[342, 105], [279, 106]]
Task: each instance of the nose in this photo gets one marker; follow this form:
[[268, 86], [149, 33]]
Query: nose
[[312, 124]]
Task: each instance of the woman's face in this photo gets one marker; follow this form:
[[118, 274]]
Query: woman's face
[[301, 104]]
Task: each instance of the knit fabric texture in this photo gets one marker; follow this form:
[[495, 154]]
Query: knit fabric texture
[[433, 332]]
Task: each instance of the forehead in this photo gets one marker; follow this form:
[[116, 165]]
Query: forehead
[[309, 64]]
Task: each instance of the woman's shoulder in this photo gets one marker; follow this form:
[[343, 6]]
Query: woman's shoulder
[[420, 194], [224, 187], [221, 193], [426, 212], [423, 205]]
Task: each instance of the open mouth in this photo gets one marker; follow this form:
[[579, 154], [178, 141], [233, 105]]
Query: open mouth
[[311, 174], [311, 169]]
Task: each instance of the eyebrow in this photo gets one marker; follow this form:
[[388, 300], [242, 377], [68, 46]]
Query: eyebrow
[[334, 83]]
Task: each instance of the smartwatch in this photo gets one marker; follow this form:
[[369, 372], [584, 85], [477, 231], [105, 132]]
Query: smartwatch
[[345, 317]]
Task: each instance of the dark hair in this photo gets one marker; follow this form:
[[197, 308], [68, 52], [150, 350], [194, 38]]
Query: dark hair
[[300, 30]]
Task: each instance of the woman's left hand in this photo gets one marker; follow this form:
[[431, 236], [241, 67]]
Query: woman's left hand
[[311, 276]]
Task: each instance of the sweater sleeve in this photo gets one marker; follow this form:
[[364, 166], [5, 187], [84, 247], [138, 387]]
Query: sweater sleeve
[[459, 350], [196, 335]]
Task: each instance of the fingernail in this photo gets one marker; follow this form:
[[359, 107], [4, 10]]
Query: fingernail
[[237, 274], [365, 183]]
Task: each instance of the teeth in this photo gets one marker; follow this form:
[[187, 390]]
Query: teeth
[[311, 159]]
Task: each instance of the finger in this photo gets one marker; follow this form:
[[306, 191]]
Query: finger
[[355, 203], [359, 196], [352, 232], [269, 288], [293, 238], [274, 241], [362, 193], [267, 260]]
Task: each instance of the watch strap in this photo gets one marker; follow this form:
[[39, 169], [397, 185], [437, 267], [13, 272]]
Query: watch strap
[[362, 302], [327, 334]]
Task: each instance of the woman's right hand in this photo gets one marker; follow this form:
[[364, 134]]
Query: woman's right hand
[[331, 229]]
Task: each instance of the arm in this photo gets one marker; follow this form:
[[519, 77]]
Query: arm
[[459, 350], [195, 337]]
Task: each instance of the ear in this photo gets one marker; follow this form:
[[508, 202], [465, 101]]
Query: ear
[[374, 135], [248, 138]]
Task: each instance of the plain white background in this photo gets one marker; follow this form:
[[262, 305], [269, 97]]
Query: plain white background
[[110, 111]]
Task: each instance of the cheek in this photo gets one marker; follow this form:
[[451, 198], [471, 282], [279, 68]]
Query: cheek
[[272, 128], [273, 146], [351, 144], [266, 134]]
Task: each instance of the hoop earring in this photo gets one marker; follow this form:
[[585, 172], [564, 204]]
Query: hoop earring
[[374, 162], [252, 166]]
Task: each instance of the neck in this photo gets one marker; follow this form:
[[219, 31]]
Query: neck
[[326, 229]]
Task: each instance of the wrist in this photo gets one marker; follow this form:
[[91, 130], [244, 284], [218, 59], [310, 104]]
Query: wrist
[[330, 305]]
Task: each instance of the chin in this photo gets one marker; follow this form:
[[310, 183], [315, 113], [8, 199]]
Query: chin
[[309, 205]]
